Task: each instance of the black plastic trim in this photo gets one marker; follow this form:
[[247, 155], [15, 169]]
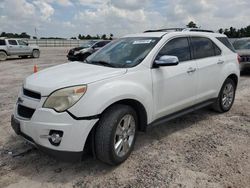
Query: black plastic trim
[[85, 117], [181, 112]]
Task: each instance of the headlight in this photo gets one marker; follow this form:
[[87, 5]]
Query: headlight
[[63, 99]]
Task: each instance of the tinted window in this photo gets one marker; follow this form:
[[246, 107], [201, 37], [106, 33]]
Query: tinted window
[[2, 42], [12, 42], [204, 47], [177, 47], [225, 41], [101, 44]]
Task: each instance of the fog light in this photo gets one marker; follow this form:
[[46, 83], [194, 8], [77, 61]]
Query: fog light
[[55, 137]]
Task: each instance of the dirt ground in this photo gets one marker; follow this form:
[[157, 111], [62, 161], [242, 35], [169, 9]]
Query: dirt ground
[[202, 149]]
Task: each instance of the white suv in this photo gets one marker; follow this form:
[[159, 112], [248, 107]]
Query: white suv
[[134, 82]]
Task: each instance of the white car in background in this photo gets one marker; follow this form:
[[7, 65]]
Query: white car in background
[[134, 82], [242, 47], [18, 47]]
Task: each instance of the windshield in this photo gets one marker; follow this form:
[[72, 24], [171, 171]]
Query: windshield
[[87, 44], [124, 52], [242, 44]]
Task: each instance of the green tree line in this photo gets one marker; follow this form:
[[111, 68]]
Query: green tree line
[[236, 33]]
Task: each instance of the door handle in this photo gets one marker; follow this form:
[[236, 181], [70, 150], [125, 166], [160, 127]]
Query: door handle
[[191, 70], [220, 62]]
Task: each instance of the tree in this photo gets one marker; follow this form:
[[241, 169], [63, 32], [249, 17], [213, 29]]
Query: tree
[[111, 36], [221, 30], [191, 25], [104, 37]]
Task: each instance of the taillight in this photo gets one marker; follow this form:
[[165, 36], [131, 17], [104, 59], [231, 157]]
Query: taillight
[[238, 58]]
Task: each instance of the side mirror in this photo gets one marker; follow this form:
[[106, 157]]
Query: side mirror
[[166, 60]]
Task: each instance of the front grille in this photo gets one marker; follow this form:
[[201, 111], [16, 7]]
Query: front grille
[[31, 94], [245, 58], [24, 111]]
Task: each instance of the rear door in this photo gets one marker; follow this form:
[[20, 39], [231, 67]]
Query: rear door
[[13, 47], [209, 64], [24, 48], [174, 87]]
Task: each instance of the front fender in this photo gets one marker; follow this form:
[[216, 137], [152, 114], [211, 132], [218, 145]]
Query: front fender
[[100, 95]]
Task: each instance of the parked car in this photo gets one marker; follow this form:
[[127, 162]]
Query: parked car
[[85, 50], [137, 81], [19, 47], [242, 47]]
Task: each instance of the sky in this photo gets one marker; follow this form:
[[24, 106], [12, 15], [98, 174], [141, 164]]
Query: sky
[[68, 18]]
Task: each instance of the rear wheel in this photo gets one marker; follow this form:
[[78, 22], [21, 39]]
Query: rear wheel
[[226, 97], [35, 53], [115, 134], [3, 56]]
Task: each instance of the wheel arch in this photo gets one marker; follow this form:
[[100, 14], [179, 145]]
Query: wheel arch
[[142, 117], [2, 50], [234, 77]]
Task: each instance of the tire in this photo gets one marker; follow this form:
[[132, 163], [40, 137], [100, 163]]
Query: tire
[[3, 56], [112, 130], [36, 54], [226, 96]]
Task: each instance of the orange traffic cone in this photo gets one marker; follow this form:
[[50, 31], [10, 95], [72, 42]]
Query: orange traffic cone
[[35, 69]]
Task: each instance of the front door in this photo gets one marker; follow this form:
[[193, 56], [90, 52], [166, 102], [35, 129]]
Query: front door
[[175, 87]]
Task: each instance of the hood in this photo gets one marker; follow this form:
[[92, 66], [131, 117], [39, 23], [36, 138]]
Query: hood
[[243, 52], [69, 74]]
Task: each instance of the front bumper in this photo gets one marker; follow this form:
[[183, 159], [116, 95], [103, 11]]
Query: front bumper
[[75, 132], [73, 57]]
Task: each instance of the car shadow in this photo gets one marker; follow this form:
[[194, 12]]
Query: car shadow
[[35, 165]]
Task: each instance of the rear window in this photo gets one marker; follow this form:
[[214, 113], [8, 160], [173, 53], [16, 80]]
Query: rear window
[[225, 41], [2, 43], [204, 47]]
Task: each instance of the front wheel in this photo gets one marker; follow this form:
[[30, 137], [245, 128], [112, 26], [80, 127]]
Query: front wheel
[[35, 53], [226, 96], [3, 56], [115, 134]]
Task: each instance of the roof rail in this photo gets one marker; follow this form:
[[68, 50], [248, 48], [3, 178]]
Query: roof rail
[[179, 29], [165, 30], [198, 30]]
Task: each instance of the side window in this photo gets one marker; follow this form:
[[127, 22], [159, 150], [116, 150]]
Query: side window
[[100, 44], [12, 42], [2, 43], [20, 42], [204, 47], [177, 47], [225, 41]]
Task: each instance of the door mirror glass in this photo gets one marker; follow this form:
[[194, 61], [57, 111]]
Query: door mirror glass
[[167, 60]]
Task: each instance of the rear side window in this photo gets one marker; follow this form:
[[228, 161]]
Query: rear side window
[[225, 41], [12, 42], [177, 47], [204, 47], [2, 43]]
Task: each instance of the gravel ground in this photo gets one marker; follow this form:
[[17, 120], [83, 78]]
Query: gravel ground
[[202, 149]]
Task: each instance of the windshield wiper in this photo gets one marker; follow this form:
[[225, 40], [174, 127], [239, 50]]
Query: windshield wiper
[[104, 63]]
